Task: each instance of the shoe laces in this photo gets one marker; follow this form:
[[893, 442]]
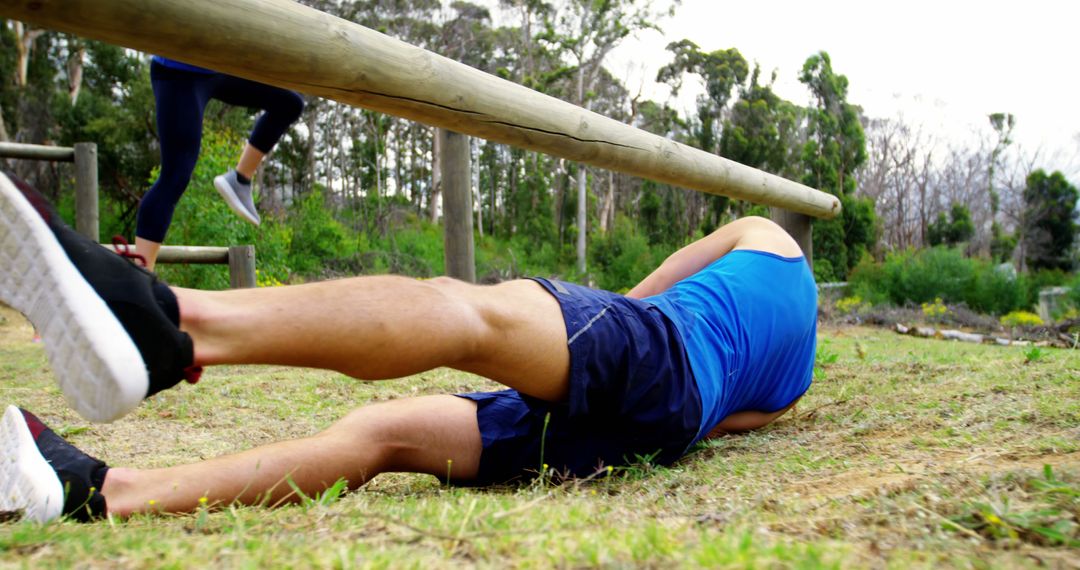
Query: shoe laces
[[123, 249]]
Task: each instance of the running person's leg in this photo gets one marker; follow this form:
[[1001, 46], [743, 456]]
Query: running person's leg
[[180, 98], [281, 108], [387, 327]]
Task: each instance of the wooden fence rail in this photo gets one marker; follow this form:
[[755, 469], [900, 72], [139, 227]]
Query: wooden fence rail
[[239, 258], [84, 155]]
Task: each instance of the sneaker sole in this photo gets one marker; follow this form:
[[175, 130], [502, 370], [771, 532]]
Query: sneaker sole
[[96, 364], [232, 200], [28, 485]]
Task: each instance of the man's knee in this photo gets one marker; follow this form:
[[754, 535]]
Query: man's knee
[[370, 430], [412, 434]]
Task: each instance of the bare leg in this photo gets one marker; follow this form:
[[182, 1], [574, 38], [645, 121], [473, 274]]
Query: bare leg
[[387, 327], [250, 159], [149, 250], [432, 434]]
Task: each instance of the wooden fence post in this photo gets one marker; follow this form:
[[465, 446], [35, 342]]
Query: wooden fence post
[[242, 267], [798, 225], [86, 190], [459, 250]]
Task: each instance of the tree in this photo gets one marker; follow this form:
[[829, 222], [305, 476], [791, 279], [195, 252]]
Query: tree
[[761, 128], [952, 230], [721, 72], [588, 30], [1050, 221], [1003, 124], [834, 149]]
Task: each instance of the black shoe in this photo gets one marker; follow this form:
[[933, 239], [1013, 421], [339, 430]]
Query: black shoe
[[109, 341], [42, 476]]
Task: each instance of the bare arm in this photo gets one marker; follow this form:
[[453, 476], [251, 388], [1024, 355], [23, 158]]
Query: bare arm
[[746, 421], [745, 233]]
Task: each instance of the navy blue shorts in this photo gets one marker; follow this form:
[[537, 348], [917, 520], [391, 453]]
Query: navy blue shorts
[[632, 396]]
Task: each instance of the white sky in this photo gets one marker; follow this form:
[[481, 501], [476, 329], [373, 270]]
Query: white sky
[[943, 65]]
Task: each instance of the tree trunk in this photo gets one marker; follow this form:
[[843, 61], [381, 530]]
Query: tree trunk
[[436, 177], [582, 213], [607, 211], [24, 42], [582, 209], [75, 69], [312, 115]]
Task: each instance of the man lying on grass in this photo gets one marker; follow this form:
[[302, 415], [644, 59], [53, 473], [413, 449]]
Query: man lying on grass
[[719, 338]]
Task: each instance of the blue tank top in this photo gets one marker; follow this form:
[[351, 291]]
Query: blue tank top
[[749, 325], [172, 63]]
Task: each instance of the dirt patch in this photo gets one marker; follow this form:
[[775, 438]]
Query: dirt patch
[[860, 483], [14, 328]]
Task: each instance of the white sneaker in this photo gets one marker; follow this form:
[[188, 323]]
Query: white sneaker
[[28, 485], [238, 196], [96, 363]]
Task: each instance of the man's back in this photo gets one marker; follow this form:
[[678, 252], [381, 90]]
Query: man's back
[[748, 321]]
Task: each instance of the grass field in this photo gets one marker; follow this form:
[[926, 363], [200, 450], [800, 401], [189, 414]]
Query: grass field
[[905, 453]]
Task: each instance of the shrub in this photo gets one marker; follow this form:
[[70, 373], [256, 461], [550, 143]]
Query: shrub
[[622, 257], [852, 305], [1021, 319], [935, 311], [923, 276], [316, 236]]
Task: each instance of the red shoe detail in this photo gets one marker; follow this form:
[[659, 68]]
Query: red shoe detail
[[36, 200], [36, 426], [119, 242], [192, 374]]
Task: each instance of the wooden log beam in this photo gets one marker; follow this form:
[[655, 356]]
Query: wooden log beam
[[189, 254], [37, 151], [283, 43]]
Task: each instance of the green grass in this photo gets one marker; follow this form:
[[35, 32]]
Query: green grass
[[906, 453]]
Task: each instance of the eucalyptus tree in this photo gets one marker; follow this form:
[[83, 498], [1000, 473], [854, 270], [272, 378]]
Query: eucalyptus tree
[[835, 148], [587, 31], [721, 72]]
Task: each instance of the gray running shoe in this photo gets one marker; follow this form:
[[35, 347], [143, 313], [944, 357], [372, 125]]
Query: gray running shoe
[[238, 196]]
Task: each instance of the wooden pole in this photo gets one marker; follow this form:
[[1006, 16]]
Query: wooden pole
[[281, 42], [459, 250], [242, 267], [798, 225], [189, 254], [86, 190], [37, 152]]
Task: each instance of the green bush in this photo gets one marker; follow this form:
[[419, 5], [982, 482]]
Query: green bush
[[922, 276], [1021, 319], [316, 236], [622, 256]]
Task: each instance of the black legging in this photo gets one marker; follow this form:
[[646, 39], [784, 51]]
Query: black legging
[[181, 98]]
